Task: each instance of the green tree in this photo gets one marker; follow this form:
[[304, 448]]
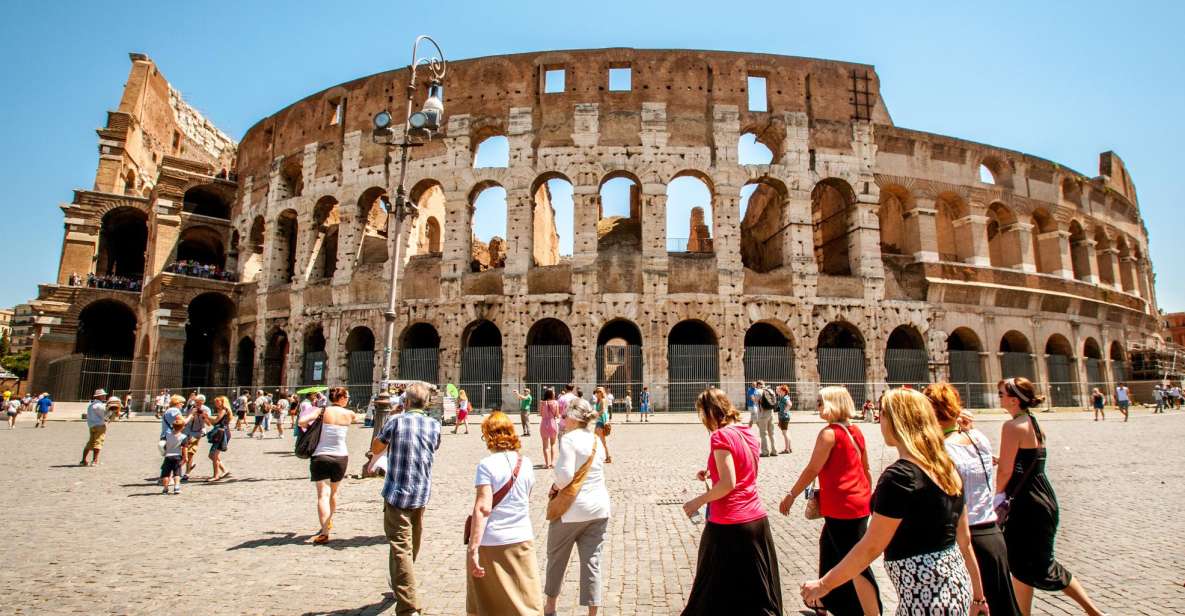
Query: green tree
[[18, 363], [4, 343]]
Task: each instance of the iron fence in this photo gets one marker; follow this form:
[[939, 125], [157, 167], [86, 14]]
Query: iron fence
[[1063, 388], [845, 367], [421, 364], [619, 368], [692, 368], [907, 367], [548, 365], [1018, 364], [966, 373], [774, 365], [481, 375], [360, 376], [315, 367]]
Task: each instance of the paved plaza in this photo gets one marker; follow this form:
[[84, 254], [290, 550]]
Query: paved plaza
[[102, 540]]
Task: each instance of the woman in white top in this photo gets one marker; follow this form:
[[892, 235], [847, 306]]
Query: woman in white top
[[328, 465], [501, 571], [586, 521], [971, 452]]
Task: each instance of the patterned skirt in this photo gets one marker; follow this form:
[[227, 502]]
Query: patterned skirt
[[931, 584]]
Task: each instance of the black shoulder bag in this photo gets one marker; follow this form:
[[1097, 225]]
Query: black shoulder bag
[[307, 443]]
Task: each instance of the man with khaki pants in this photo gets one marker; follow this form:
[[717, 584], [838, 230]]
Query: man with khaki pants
[[409, 440]]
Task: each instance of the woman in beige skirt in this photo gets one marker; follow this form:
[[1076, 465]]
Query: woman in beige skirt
[[502, 574]]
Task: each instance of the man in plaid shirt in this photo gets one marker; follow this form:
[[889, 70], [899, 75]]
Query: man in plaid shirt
[[410, 440]]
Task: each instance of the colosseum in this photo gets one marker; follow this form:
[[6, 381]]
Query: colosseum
[[820, 242]]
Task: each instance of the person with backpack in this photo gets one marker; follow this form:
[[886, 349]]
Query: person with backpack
[[328, 463], [767, 404]]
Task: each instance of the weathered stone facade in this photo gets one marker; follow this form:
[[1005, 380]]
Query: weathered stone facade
[[855, 222]]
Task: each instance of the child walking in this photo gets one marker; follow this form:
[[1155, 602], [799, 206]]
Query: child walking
[[170, 468]]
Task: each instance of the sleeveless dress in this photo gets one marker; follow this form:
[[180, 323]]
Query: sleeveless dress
[[1032, 522], [549, 416]]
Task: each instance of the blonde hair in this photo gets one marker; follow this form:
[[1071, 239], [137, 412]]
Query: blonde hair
[[837, 404], [222, 402], [177, 400], [462, 395], [910, 417], [498, 432], [715, 409]]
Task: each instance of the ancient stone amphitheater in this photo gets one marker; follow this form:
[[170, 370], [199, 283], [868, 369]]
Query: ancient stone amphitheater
[[855, 252]]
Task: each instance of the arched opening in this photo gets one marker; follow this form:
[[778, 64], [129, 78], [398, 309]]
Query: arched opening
[[891, 215], [1016, 356], [488, 224], [207, 200], [1092, 355], [1105, 255], [419, 353], [1120, 370], [275, 359], [832, 211], [549, 355], [206, 356], [752, 151], [1046, 243], [552, 225], [245, 362], [1003, 251], [106, 338], [1061, 371], [906, 360], [284, 250], [425, 236], [291, 182], [372, 225], [693, 363], [123, 240], [481, 364], [769, 356], [106, 329], [200, 253], [764, 223], [689, 206], [1079, 251], [492, 152], [619, 358], [965, 354], [619, 213], [360, 365], [840, 359], [326, 222], [948, 209], [316, 360], [985, 175]]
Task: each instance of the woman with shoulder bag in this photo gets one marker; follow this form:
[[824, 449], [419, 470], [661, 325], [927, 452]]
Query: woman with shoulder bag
[[219, 437], [840, 462], [601, 405], [502, 575], [971, 452], [1030, 515], [327, 466], [578, 509], [736, 571]]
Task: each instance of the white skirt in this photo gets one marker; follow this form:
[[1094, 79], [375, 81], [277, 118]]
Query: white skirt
[[934, 584]]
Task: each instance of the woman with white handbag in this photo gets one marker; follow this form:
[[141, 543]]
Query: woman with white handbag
[[840, 463]]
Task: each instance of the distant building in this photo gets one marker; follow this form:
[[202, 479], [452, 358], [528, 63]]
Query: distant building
[[22, 329], [1174, 324], [5, 323]]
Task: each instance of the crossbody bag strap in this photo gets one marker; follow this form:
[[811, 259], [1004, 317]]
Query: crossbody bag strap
[[579, 475], [986, 475], [505, 489]]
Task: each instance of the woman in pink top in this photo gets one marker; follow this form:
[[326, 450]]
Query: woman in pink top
[[737, 568], [549, 429]]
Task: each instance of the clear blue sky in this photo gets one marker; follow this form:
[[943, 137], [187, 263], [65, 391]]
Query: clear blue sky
[[1060, 80]]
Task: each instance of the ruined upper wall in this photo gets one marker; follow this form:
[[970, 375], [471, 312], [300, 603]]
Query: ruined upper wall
[[689, 83], [151, 122]]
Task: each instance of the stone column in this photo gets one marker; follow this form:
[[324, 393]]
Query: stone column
[[348, 241], [798, 245], [1109, 262], [1127, 275], [587, 205], [920, 229], [864, 241], [1019, 247], [1056, 257], [458, 234], [726, 240], [971, 232], [654, 240], [1086, 256], [1144, 276], [520, 227]]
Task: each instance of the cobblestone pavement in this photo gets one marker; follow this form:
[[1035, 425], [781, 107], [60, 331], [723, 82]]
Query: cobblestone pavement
[[103, 540]]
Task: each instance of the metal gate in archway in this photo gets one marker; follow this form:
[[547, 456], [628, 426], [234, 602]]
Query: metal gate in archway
[[315, 367], [481, 376], [692, 368], [773, 365], [360, 377], [619, 367], [907, 367], [421, 364], [844, 367], [1018, 364], [1063, 385], [966, 374], [548, 365], [1094, 375]]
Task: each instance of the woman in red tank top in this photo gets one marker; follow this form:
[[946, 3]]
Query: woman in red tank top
[[840, 463]]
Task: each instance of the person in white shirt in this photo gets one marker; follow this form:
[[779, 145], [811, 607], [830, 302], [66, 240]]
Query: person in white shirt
[[262, 408], [580, 467], [280, 411], [609, 401], [502, 572], [96, 422]]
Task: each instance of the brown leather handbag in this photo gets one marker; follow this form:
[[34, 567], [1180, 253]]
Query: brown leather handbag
[[498, 496], [559, 503]]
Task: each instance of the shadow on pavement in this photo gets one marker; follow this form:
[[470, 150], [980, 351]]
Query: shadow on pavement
[[374, 608], [279, 539]]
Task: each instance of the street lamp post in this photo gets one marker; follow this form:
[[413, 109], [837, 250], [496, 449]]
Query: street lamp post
[[418, 128]]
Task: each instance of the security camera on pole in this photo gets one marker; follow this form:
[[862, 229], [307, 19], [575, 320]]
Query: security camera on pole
[[419, 127]]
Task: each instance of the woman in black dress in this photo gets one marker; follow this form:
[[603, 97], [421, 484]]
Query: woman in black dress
[[1031, 526]]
